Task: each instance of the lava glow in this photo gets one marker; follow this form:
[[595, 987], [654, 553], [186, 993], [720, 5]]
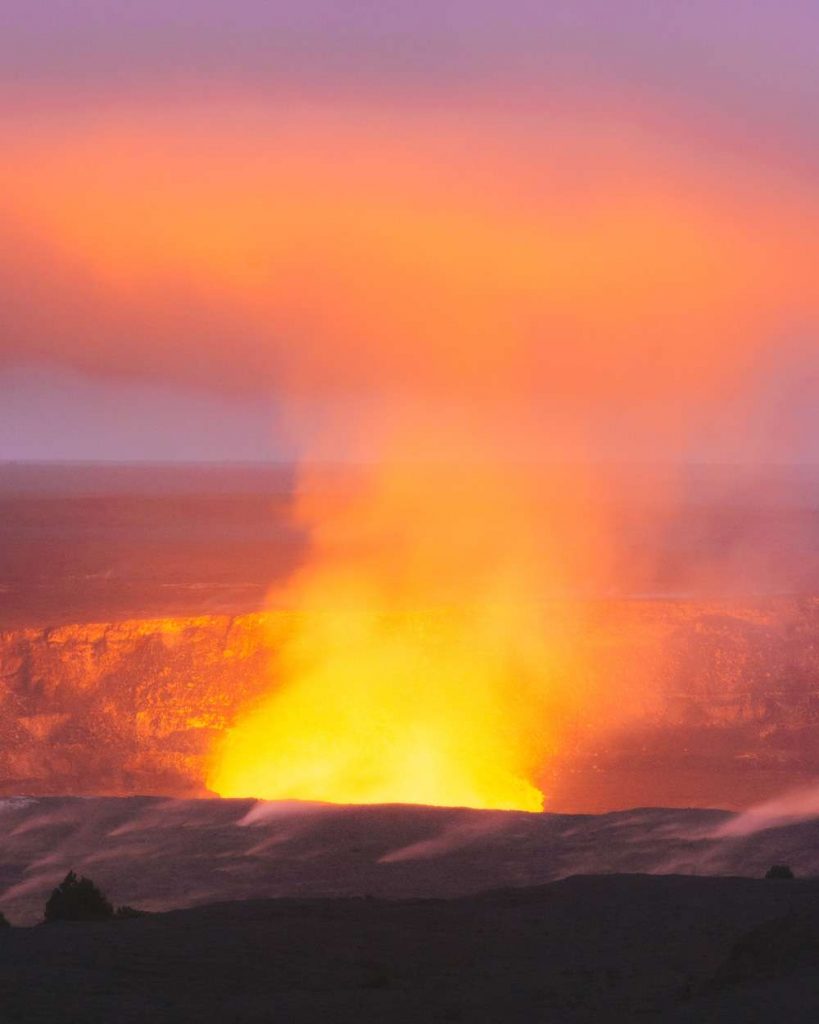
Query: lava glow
[[387, 709], [423, 667]]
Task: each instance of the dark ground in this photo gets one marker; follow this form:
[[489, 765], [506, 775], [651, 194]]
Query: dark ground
[[86, 543], [106, 542], [589, 948], [161, 854]]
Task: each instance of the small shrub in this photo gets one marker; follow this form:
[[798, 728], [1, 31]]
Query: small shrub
[[123, 913], [779, 871], [77, 899]]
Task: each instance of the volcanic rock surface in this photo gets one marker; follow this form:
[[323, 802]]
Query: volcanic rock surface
[[126, 707], [158, 854]]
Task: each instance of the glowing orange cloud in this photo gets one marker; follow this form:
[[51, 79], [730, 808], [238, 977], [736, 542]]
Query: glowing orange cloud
[[344, 247]]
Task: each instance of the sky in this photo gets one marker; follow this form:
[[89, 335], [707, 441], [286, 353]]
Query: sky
[[249, 230]]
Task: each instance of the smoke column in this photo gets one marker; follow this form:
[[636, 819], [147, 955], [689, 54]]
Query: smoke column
[[486, 319]]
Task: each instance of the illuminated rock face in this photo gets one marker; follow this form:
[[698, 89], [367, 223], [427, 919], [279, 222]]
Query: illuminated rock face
[[138, 706], [127, 707], [723, 664]]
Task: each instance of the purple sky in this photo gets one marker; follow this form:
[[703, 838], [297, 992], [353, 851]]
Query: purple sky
[[750, 60]]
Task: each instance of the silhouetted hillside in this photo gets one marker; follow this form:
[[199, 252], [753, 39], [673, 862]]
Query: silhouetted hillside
[[588, 949]]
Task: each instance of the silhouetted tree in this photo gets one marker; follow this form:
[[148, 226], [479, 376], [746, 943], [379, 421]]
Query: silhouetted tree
[[4, 923], [123, 913], [779, 871], [77, 899]]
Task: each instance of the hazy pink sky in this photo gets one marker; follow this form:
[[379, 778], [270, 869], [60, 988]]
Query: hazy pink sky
[[199, 197]]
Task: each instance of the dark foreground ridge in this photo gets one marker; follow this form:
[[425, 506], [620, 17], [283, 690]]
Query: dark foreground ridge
[[588, 948], [159, 854]]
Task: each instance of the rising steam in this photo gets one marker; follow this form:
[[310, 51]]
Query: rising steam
[[434, 655], [448, 298], [429, 660]]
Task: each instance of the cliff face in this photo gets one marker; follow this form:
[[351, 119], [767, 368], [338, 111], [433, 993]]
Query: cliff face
[[721, 663], [125, 707], [137, 706], [731, 712]]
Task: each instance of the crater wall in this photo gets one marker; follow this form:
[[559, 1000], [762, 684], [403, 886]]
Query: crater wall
[[137, 706]]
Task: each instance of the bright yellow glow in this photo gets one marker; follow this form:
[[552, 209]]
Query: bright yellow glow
[[385, 698], [382, 710]]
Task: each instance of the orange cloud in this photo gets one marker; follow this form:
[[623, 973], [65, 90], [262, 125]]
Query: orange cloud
[[345, 247]]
